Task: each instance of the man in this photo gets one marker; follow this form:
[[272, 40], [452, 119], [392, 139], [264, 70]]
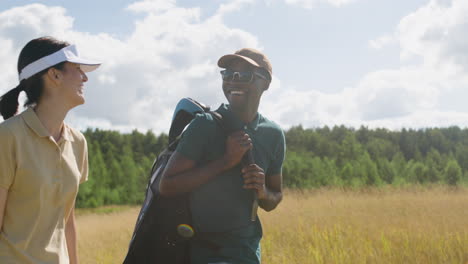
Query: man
[[208, 165]]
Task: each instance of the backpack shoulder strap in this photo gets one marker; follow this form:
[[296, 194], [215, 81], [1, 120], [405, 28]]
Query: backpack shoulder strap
[[218, 118]]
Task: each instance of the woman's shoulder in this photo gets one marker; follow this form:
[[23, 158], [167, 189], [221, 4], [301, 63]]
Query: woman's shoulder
[[6, 130], [75, 134], [11, 124]]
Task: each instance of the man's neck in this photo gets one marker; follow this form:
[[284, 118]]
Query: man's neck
[[246, 115]]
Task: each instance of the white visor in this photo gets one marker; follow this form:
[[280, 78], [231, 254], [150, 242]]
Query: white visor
[[69, 53]]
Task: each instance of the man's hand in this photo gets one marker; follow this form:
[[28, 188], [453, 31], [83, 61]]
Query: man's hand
[[254, 178], [237, 145]]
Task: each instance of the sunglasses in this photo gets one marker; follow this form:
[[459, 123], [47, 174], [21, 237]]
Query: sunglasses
[[244, 77]]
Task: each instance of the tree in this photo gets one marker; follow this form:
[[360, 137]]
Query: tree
[[386, 171], [381, 148], [399, 163], [408, 143], [417, 172], [461, 153], [295, 170], [349, 149], [438, 140], [347, 173], [371, 175], [453, 173]]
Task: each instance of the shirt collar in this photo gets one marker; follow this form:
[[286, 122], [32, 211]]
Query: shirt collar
[[66, 135], [254, 123], [31, 119], [226, 112]]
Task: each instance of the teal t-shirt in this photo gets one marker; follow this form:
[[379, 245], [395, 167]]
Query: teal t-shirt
[[222, 205]]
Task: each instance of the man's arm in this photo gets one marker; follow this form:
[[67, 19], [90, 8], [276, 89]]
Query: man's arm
[[273, 194], [70, 235], [181, 174], [269, 188]]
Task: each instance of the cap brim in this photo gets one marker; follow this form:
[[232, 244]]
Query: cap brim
[[86, 65], [225, 60]]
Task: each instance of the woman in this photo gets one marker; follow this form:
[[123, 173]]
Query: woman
[[42, 160]]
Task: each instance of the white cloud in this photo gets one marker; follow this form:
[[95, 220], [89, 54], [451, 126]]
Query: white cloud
[[434, 52], [339, 3], [436, 33], [382, 41], [409, 103], [422, 119], [17, 26], [19, 23], [384, 95], [232, 6], [154, 6], [312, 3]]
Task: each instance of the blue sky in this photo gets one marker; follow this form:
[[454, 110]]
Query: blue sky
[[376, 63]]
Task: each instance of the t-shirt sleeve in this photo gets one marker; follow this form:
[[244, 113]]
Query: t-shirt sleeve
[[279, 155], [195, 138], [84, 163], [7, 158]]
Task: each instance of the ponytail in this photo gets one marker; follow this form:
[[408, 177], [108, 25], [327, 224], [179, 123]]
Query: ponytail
[[9, 102]]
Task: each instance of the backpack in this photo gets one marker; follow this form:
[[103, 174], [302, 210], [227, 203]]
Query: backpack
[[163, 227]]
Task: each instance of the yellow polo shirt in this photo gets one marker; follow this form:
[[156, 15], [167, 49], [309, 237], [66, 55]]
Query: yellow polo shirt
[[42, 178]]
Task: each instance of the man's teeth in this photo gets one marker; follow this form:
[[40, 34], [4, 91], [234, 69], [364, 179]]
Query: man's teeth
[[237, 93]]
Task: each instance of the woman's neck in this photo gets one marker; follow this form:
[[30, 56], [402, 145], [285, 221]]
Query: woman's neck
[[51, 114]]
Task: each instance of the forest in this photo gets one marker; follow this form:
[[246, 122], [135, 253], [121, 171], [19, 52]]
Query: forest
[[339, 157]]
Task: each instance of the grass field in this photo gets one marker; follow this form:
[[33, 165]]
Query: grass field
[[413, 225]]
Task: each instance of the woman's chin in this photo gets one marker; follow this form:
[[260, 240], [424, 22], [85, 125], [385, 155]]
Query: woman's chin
[[79, 101]]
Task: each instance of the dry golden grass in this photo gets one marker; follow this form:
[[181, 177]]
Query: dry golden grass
[[103, 236], [415, 225]]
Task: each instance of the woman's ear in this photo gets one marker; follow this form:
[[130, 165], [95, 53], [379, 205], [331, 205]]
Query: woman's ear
[[54, 75]]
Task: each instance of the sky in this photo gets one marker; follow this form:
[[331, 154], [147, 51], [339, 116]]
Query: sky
[[373, 63]]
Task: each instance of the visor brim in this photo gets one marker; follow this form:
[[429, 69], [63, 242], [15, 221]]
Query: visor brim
[[86, 65]]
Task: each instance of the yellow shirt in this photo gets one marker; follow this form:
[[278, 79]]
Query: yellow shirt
[[42, 179]]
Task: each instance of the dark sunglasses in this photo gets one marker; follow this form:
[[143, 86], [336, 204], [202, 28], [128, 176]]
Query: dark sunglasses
[[245, 77]]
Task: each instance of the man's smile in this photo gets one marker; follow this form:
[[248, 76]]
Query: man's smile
[[237, 92]]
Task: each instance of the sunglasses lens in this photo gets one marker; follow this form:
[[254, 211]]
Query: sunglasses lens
[[232, 76]]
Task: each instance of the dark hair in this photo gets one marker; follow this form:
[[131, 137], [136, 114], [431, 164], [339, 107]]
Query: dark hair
[[33, 86]]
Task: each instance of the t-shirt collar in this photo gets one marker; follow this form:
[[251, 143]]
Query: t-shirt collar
[[225, 110]]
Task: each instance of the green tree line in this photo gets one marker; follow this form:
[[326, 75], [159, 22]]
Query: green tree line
[[338, 156]]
